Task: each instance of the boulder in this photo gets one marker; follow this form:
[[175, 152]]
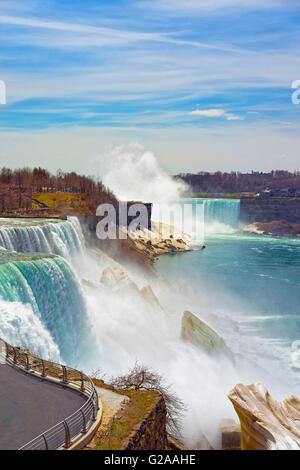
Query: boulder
[[199, 333], [115, 278], [90, 283], [266, 424], [149, 296], [231, 435], [105, 259]]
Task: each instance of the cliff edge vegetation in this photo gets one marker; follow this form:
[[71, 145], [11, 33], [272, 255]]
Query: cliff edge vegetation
[[140, 424]]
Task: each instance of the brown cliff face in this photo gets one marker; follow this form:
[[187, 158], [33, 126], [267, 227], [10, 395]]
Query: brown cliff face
[[151, 433], [139, 425], [280, 228], [269, 209]]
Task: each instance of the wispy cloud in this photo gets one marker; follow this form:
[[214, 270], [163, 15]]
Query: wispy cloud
[[115, 35], [194, 67], [206, 7]]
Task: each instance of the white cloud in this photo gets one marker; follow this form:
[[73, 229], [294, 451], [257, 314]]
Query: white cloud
[[233, 117], [208, 112], [161, 67], [216, 113]]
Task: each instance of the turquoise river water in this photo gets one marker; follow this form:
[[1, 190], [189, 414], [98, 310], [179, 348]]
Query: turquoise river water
[[251, 282]]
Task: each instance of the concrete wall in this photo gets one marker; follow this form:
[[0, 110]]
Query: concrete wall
[[267, 209]]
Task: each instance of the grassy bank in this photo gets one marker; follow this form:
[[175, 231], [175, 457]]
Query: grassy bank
[[140, 405]]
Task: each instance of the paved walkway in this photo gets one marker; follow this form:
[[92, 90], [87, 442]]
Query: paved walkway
[[29, 406]]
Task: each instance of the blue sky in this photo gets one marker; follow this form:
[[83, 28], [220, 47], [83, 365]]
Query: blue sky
[[205, 84]]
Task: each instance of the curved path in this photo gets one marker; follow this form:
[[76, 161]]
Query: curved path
[[29, 406]]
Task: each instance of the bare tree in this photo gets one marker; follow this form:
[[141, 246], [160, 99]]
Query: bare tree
[[17, 187], [97, 374], [140, 377]]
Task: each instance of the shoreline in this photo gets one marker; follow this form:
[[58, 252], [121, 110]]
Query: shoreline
[[273, 229], [162, 239]]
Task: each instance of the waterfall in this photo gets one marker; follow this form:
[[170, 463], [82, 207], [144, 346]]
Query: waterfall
[[218, 216], [223, 211], [50, 288], [221, 215], [19, 325], [41, 303], [46, 236]]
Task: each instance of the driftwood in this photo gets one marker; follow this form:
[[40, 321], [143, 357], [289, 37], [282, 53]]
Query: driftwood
[[266, 424]]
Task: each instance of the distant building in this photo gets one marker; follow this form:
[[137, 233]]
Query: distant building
[[283, 192], [265, 193]]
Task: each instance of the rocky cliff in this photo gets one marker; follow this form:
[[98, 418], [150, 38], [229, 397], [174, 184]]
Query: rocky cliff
[[266, 424], [151, 433], [139, 425], [268, 209]]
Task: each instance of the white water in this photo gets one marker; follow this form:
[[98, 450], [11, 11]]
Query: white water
[[41, 301], [29, 236], [221, 215], [21, 326], [129, 329], [133, 174], [126, 327], [46, 294]]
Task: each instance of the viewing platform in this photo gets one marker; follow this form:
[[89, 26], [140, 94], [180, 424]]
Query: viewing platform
[[44, 405]]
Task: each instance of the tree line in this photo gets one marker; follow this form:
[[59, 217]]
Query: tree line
[[18, 186], [236, 182]]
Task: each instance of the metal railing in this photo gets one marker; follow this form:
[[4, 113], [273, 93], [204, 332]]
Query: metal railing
[[62, 434]]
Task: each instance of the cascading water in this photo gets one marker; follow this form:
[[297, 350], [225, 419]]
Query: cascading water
[[43, 289], [41, 307], [47, 236], [19, 325], [222, 212], [220, 216], [199, 218]]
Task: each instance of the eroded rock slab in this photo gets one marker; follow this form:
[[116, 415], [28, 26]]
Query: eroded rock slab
[[149, 296], [161, 239], [118, 281], [115, 278], [201, 334], [266, 424]]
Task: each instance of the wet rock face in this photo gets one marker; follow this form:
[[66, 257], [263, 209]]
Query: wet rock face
[[276, 227], [266, 424], [149, 296], [231, 435], [199, 333], [115, 278], [151, 434], [270, 209]]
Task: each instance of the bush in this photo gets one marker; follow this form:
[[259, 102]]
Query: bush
[[140, 377]]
